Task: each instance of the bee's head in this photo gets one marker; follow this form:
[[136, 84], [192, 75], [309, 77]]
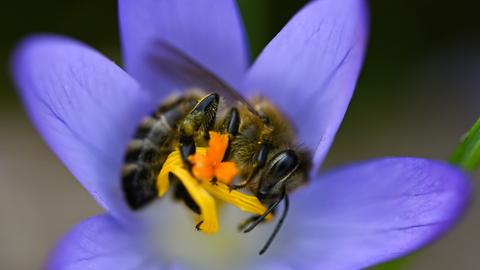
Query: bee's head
[[285, 171]]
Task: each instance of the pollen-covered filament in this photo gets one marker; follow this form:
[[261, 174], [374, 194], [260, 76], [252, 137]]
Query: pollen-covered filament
[[207, 164]]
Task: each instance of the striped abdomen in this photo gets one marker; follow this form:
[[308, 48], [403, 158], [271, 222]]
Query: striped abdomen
[[154, 140]]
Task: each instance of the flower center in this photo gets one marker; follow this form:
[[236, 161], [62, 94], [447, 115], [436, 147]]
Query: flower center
[[174, 240], [207, 165]]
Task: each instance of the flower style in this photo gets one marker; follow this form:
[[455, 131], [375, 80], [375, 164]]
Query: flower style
[[208, 165], [87, 109]]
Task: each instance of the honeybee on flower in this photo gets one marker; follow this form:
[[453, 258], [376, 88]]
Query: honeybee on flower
[[87, 109]]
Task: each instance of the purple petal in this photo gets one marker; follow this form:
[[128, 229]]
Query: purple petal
[[209, 31], [85, 107], [101, 243], [311, 67], [367, 213]]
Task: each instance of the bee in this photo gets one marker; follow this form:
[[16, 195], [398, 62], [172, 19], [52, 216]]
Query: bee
[[261, 141]]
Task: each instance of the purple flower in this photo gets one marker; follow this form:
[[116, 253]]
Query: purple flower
[[87, 109]]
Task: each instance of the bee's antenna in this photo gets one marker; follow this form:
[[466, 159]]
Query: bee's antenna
[[272, 207], [264, 215], [277, 228]]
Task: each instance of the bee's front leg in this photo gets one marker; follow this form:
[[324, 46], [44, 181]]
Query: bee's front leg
[[260, 160], [246, 223], [201, 118], [230, 125]]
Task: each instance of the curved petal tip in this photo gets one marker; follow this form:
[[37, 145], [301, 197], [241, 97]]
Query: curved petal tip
[[310, 68]]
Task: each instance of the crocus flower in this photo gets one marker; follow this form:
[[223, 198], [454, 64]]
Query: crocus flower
[[87, 109]]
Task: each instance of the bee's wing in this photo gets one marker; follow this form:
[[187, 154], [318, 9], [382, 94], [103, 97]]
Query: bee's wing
[[181, 68]]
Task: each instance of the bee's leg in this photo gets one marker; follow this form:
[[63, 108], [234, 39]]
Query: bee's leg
[[247, 222], [277, 227], [202, 116], [244, 224], [261, 218], [197, 227], [260, 160], [245, 182], [180, 193], [230, 125], [187, 148]]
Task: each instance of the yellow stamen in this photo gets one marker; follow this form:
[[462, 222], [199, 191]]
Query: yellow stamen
[[174, 165], [244, 202], [202, 192]]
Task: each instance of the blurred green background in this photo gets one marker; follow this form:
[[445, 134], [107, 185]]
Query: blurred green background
[[418, 93]]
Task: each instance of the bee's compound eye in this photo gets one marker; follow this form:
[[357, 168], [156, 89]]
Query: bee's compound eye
[[284, 163]]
